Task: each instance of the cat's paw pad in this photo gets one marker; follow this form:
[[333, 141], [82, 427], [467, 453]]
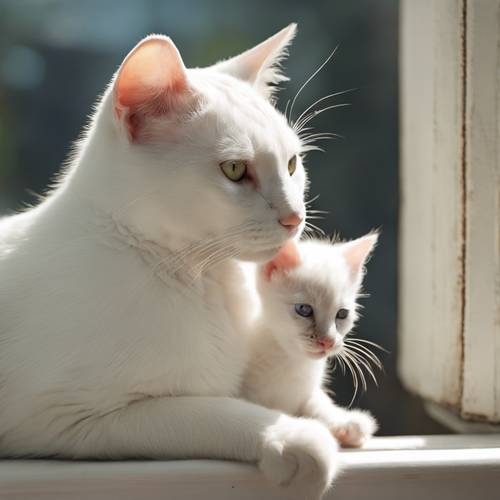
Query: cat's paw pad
[[355, 429], [300, 454]]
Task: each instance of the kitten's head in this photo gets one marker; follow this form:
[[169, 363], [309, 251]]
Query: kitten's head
[[205, 150], [309, 293]]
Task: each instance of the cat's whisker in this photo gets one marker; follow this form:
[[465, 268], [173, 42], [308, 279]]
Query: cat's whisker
[[311, 200], [308, 148], [215, 258], [311, 141], [286, 109], [313, 114], [304, 85], [179, 259], [206, 250], [318, 212], [305, 139], [314, 227], [324, 98]]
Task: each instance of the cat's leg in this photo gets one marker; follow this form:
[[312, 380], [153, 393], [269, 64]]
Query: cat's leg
[[352, 428], [296, 451]]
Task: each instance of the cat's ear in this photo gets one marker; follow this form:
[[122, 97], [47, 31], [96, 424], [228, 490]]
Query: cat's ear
[[261, 65], [356, 253], [287, 258], [151, 82]]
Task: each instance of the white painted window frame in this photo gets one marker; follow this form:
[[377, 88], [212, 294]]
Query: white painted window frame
[[449, 310]]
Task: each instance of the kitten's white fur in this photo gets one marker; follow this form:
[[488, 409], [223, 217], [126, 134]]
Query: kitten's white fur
[[287, 368], [117, 338]]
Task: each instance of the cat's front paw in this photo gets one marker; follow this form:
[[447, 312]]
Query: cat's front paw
[[300, 454], [354, 429]]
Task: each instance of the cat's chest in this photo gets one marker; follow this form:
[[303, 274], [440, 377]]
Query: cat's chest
[[193, 348]]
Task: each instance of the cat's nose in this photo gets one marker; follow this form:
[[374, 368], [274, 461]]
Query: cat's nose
[[291, 221], [326, 343]]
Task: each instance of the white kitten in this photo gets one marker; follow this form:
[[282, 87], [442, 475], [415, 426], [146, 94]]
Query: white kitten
[[308, 293], [119, 292]]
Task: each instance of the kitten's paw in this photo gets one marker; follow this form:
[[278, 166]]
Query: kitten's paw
[[300, 453], [354, 429]]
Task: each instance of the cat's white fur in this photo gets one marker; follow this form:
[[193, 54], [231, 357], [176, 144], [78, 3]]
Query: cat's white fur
[[287, 366], [117, 325]]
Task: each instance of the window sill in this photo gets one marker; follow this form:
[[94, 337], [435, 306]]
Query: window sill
[[441, 467]]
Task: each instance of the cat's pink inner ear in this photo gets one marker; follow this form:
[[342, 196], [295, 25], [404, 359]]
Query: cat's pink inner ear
[[149, 82], [357, 251], [287, 258]]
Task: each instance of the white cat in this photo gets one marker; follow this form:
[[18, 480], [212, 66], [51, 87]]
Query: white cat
[[119, 292], [308, 305]]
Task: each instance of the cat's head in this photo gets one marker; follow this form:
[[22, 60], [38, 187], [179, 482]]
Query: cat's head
[[309, 293], [206, 153]]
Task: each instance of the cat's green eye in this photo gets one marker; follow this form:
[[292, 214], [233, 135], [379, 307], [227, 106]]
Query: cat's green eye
[[292, 165], [234, 170]]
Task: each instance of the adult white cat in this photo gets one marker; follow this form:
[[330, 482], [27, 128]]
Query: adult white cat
[[118, 292]]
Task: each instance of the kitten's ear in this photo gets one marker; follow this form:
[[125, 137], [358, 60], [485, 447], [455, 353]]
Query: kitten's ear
[[260, 66], [356, 253], [151, 81], [287, 258]]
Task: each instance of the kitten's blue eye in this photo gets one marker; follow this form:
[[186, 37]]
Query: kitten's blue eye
[[342, 314], [304, 310]]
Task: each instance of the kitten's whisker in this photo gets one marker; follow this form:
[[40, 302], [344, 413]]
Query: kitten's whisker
[[340, 361], [354, 378], [362, 361], [362, 347], [355, 363], [364, 351], [369, 342]]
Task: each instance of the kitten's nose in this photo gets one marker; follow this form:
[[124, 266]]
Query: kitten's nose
[[291, 221], [326, 343]]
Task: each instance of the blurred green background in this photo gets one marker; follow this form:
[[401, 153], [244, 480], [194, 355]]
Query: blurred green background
[[56, 56]]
